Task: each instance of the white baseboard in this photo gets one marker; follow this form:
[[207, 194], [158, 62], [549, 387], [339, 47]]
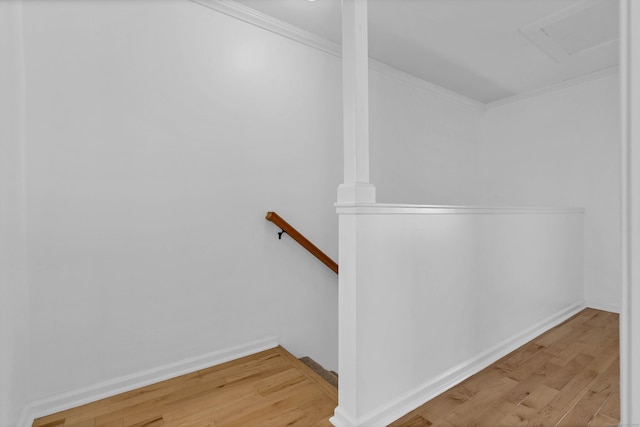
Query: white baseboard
[[340, 419], [604, 306], [61, 402], [432, 388]]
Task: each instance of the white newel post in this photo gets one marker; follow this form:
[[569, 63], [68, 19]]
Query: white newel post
[[630, 318], [356, 189], [355, 102]]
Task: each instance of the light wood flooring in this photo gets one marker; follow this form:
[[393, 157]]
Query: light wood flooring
[[268, 389], [568, 377]]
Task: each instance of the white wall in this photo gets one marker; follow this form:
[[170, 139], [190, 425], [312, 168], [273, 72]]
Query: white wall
[[14, 319], [423, 145], [562, 149], [434, 294], [159, 134]]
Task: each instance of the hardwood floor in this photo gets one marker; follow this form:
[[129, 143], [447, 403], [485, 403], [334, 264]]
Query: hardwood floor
[[567, 377], [268, 389]]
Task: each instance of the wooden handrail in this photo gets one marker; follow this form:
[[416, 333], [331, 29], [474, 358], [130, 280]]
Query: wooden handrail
[[295, 235]]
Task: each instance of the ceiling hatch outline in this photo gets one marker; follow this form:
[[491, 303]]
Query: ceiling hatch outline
[[577, 29]]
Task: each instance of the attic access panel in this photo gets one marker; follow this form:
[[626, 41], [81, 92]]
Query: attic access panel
[[589, 25]]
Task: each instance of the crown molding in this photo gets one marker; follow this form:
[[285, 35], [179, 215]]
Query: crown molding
[[554, 87], [284, 29], [276, 26]]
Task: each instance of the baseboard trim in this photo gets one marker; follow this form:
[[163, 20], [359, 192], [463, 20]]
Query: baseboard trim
[[613, 308], [63, 401], [341, 419], [430, 389]]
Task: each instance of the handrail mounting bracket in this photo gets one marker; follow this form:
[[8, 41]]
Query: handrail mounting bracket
[[285, 227]]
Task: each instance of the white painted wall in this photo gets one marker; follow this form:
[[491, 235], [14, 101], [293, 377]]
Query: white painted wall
[[14, 314], [423, 145], [432, 294], [562, 149], [159, 134]]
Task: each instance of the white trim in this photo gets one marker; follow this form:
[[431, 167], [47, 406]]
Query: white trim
[[554, 87], [276, 26], [604, 306], [63, 401], [629, 383], [430, 389], [269, 23], [341, 419], [397, 209], [625, 338], [355, 104]]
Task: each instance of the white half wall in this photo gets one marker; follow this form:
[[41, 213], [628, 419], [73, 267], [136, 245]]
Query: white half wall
[[562, 148], [14, 292], [433, 294]]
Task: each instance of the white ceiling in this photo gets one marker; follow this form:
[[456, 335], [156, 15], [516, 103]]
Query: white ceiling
[[473, 47]]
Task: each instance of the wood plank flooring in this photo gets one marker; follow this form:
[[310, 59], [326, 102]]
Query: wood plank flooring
[[566, 377], [268, 389]]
